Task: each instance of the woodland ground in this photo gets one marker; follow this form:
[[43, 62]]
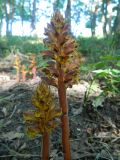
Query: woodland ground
[[94, 134]]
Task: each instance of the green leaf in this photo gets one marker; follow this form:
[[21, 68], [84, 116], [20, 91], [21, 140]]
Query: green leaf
[[101, 73], [110, 58], [99, 65], [118, 64], [98, 101], [115, 71]]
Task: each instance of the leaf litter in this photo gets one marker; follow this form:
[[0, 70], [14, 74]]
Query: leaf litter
[[94, 134]]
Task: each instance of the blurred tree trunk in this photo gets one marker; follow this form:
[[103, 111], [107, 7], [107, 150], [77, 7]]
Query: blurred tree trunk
[[93, 23], [1, 24], [21, 3], [104, 17], [116, 27], [109, 15], [33, 15], [12, 13], [1, 16], [68, 14], [94, 10], [9, 15]]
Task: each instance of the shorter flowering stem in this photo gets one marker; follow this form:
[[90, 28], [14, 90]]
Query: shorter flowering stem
[[45, 146], [44, 118]]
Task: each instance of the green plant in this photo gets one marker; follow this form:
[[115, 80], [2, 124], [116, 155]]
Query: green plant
[[98, 99], [93, 48], [42, 120], [25, 45], [107, 73], [111, 80], [3, 48], [63, 68]]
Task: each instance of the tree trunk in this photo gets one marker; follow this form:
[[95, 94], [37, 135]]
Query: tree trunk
[[8, 17], [93, 24], [109, 12], [12, 15], [68, 14], [64, 119], [94, 11], [33, 16], [104, 17], [1, 24], [22, 14], [45, 147], [1, 17], [116, 27]]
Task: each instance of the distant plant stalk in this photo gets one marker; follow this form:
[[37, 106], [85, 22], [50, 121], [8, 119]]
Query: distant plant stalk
[[33, 66], [17, 66]]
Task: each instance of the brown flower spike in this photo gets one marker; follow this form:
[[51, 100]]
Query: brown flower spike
[[63, 68], [17, 66], [24, 72], [33, 65], [43, 119]]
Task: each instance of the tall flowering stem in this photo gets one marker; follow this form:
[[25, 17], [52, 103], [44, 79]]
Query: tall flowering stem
[[63, 68]]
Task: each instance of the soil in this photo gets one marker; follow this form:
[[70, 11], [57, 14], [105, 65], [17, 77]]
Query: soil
[[94, 133]]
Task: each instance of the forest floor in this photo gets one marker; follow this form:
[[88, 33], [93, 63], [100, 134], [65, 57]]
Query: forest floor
[[94, 134]]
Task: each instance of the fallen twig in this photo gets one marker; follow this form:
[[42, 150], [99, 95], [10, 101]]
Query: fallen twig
[[108, 120], [13, 112]]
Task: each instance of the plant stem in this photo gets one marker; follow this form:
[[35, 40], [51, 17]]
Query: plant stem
[[45, 147], [18, 75], [64, 118]]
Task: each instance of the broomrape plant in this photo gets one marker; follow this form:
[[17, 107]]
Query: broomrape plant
[[62, 71], [43, 119], [63, 68]]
